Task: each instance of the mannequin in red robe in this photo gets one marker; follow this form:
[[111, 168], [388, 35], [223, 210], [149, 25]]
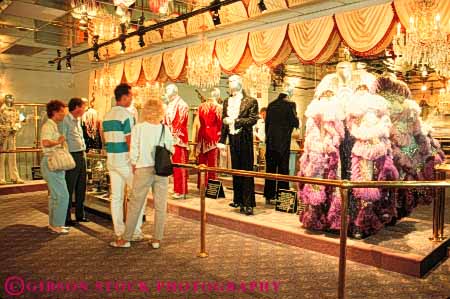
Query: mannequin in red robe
[[177, 119], [210, 116]]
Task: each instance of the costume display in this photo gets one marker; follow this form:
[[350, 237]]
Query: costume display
[[9, 126], [281, 119], [210, 118], [415, 151], [240, 114], [376, 137], [91, 124], [177, 119], [323, 136]]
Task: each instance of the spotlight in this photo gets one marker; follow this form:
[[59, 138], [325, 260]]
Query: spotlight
[[58, 66], [68, 58], [262, 6], [95, 47], [215, 12], [141, 39], [123, 47], [216, 18]]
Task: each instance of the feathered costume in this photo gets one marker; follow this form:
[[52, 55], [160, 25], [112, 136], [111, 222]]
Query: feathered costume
[[324, 133]]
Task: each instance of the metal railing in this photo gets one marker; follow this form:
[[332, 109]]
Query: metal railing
[[345, 187]]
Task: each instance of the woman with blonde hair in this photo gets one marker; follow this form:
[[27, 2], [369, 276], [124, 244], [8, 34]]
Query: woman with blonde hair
[[145, 136]]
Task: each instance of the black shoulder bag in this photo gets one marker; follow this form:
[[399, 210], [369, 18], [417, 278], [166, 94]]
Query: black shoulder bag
[[163, 162]]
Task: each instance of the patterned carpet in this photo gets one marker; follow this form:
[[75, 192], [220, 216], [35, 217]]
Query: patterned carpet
[[239, 265]]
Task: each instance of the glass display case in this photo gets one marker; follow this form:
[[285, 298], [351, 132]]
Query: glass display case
[[98, 183]]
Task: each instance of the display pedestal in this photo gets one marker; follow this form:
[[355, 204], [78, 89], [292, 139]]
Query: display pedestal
[[29, 186], [403, 248]]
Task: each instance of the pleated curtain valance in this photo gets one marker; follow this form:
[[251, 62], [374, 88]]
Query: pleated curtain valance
[[365, 32]]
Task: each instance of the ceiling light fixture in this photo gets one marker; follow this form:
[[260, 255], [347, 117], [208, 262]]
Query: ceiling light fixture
[[68, 58], [262, 6], [95, 47], [215, 13], [58, 66]]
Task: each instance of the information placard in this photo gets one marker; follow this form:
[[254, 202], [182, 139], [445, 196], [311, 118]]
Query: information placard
[[214, 189], [286, 201]]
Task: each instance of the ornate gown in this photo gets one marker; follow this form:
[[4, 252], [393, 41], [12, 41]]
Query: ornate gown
[[320, 159], [415, 152]]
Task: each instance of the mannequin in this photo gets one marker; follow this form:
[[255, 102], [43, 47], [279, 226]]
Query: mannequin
[[9, 126], [90, 123], [177, 119], [210, 118], [281, 119], [239, 115]]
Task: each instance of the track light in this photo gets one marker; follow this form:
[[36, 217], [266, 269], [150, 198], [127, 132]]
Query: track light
[[262, 6], [68, 58], [215, 12], [58, 65], [141, 40], [123, 47], [216, 18], [95, 47]]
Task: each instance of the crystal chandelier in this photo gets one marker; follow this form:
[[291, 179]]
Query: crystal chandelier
[[84, 10], [106, 26], [257, 78], [425, 43], [149, 91], [107, 81], [444, 99], [203, 69]]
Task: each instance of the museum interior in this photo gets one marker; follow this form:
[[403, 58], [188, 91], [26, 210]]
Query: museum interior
[[323, 126]]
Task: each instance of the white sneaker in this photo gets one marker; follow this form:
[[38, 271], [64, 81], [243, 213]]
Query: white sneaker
[[120, 245], [155, 245], [2, 182], [141, 237]]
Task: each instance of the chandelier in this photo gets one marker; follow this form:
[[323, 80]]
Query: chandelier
[[106, 27], [107, 81], [84, 10], [257, 78], [203, 69], [444, 99], [424, 43], [149, 91]]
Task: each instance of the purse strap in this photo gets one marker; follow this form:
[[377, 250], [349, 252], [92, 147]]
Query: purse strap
[[162, 134]]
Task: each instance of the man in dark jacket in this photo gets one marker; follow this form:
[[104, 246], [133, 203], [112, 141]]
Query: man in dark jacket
[[281, 119]]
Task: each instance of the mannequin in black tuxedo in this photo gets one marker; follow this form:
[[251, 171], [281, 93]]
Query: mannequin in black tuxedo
[[281, 119], [240, 113]]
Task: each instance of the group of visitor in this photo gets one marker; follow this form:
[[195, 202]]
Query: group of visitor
[[130, 149]]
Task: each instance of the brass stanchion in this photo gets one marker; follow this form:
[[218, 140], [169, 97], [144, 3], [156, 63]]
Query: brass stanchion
[[343, 242], [202, 170], [439, 210]]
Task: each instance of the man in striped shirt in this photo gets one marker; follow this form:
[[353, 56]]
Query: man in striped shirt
[[117, 126]]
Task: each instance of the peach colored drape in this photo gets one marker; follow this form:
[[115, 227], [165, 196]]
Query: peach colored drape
[[174, 60], [196, 25], [312, 39], [232, 51], [265, 45], [132, 70], [151, 65], [364, 29]]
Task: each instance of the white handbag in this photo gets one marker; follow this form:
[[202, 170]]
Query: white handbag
[[60, 159]]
